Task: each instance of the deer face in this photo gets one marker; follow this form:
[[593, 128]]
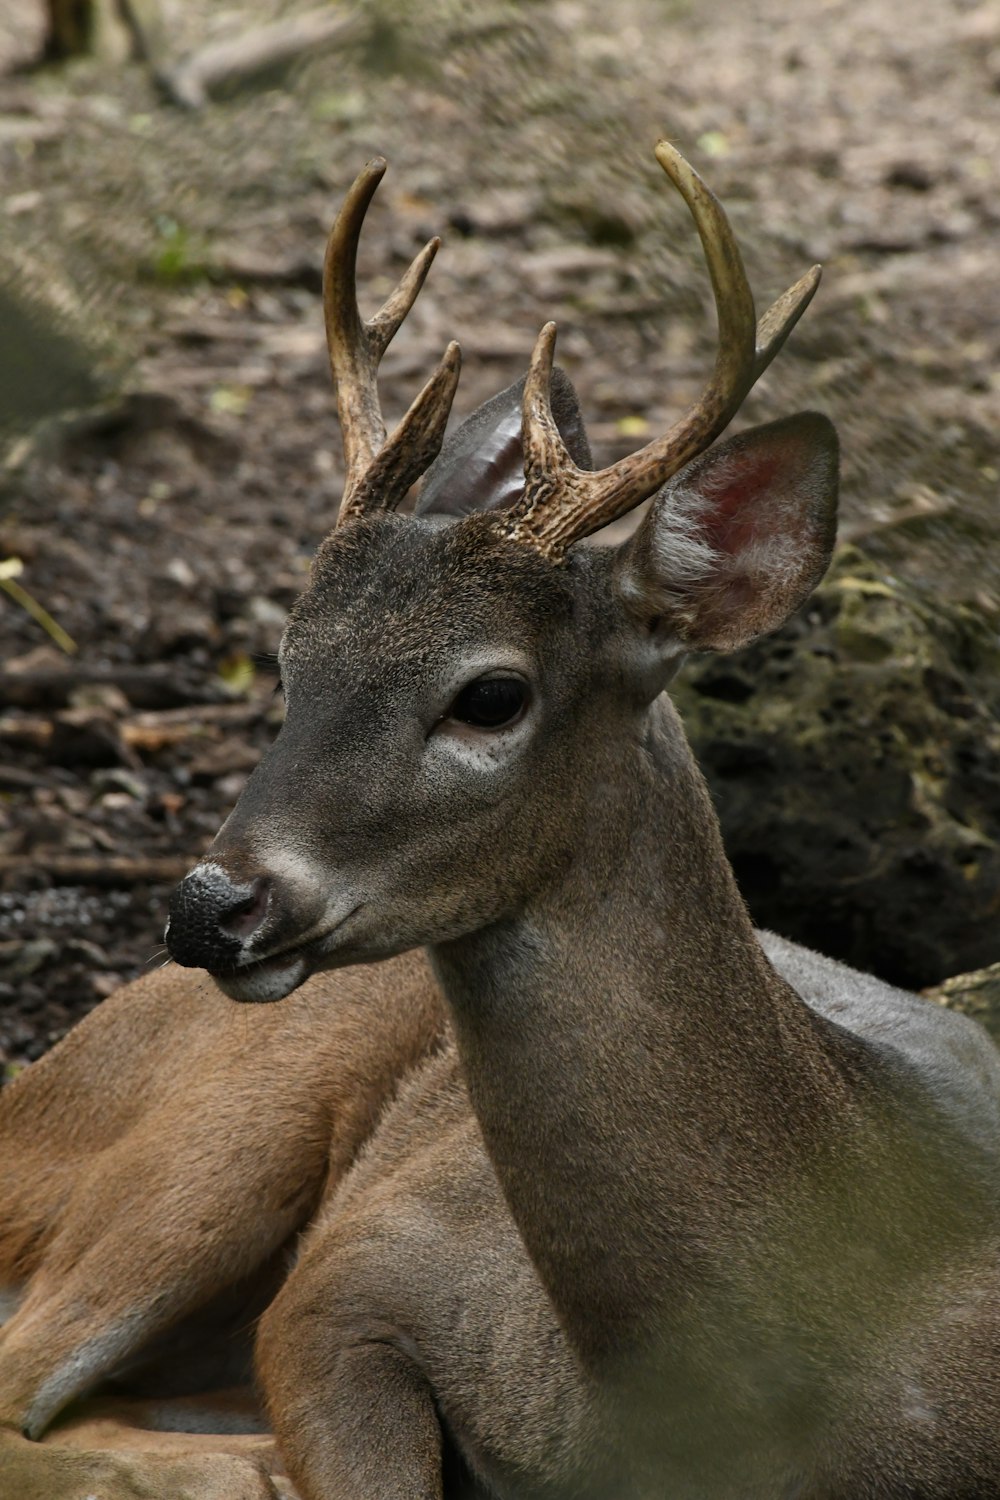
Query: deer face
[[461, 684], [455, 701], [432, 764]]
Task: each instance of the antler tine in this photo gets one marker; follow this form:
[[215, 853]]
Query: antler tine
[[414, 445], [563, 503], [782, 316], [376, 468], [547, 464]]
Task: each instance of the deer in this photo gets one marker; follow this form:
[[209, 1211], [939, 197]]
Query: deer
[[645, 1201], [686, 1209], [156, 1170]]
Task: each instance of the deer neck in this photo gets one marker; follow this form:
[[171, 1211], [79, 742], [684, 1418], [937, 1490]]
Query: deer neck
[[642, 1077]]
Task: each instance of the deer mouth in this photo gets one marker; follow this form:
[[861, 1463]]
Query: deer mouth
[[264, 980], [275, 975]]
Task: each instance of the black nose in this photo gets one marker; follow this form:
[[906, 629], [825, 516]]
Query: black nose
[[212, 917]]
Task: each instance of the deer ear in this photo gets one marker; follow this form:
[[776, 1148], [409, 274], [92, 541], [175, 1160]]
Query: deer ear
[[736, 541], [481, 465]]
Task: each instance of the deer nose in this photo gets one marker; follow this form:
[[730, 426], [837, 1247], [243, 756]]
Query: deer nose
[[213, 917]]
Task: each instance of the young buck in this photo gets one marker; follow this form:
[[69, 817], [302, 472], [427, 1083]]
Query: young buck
[[754, 1250], [723, 1218]]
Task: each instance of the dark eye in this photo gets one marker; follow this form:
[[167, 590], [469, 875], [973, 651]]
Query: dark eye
[[490, 702]]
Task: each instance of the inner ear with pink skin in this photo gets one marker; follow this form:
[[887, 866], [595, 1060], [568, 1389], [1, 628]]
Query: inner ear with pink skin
[[734, 543], [481, 464]]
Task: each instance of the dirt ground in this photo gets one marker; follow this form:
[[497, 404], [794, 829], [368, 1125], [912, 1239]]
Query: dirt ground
[[172, 455]]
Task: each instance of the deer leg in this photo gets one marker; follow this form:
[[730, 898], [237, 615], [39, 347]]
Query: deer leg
[[36, 1471], [151, 1235], [353, 1412], [363, 1423], [158, 1225], [73, 1326], [80, 1322]]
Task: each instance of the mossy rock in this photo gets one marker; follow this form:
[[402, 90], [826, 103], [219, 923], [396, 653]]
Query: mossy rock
[[855, 761], [976, 995]]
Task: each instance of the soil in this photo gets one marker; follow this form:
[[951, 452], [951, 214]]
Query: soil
[[172, 456]]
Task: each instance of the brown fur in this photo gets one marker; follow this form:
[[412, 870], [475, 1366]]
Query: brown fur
[[705, 1229], [700, 1214], [152, 1183], [756, 1239]]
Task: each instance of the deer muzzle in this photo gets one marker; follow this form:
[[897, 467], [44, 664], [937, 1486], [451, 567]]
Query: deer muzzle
[[259, 933], [214, 917]]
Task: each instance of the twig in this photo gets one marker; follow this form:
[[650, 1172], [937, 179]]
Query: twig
[[10, 568]]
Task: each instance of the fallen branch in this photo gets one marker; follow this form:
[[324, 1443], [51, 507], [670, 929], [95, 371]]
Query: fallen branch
[[85, 869], [155, 731], [152, 687], [97, 736], [231, 714], [29, 734], [222, 67], [13, 778]]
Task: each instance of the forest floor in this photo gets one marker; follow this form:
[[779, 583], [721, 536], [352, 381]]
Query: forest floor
[[172, 455]]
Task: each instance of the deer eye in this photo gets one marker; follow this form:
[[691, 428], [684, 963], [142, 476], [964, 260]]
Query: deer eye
[[490, 702]]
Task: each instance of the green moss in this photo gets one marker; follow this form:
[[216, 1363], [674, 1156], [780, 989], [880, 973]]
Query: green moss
[[860, 747], [976, 995]]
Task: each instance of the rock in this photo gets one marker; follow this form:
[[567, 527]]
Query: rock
[[88, 737], [19, 959], [854, 758], [908, 173], [976, 995]]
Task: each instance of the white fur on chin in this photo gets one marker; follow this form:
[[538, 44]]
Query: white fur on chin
[[261, 984]]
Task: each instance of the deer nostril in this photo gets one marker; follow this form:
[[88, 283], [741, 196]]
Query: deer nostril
[[246, 915], [212, 917]]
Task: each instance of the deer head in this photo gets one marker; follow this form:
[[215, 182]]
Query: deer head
[[461, 682]]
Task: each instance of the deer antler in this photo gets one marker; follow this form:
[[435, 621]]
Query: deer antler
[[379, 470], [562, 503]]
